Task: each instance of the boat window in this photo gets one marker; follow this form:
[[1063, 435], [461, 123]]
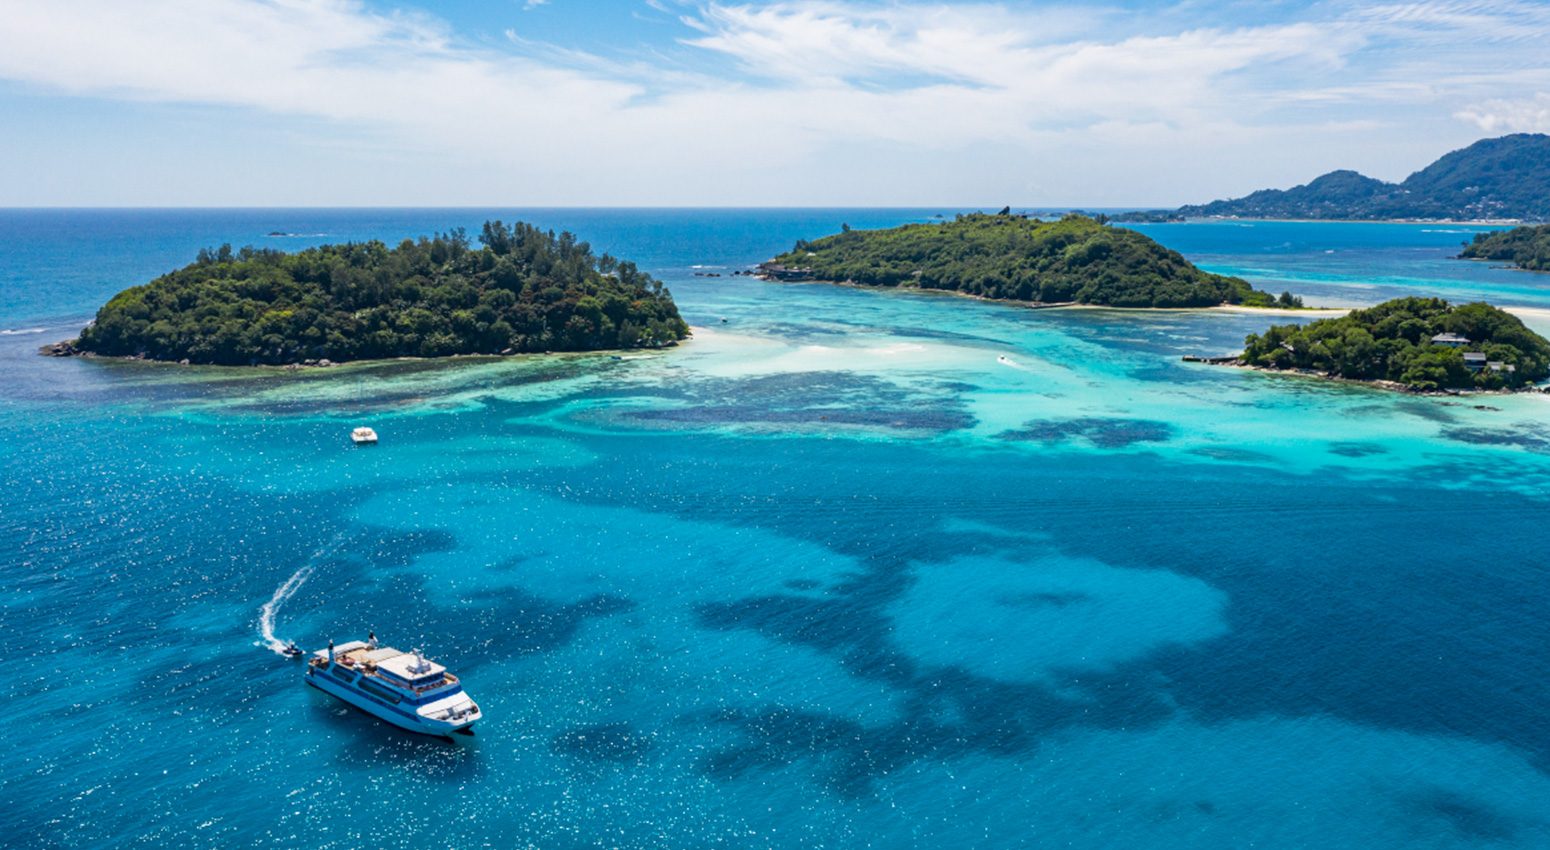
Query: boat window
[[380, 692]]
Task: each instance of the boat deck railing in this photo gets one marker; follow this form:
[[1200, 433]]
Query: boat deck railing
[[370, 669]]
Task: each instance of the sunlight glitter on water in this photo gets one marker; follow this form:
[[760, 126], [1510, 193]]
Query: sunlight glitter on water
[[852, 567]]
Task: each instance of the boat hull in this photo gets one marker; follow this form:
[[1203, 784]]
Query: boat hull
[[396, 715]]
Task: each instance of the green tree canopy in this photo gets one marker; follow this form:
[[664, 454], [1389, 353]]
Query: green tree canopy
[[524, 289], [1524, 247], [1393, 342], [1075, 259]]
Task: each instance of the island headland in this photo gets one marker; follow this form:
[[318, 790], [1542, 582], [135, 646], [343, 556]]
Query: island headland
[[1527, 248], [1415, 344], [522, 290], [1005, 257]]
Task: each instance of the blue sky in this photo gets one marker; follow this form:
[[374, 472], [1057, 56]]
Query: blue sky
[[806, 102]]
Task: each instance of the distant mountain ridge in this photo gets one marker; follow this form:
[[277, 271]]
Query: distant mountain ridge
[[1501, 178]]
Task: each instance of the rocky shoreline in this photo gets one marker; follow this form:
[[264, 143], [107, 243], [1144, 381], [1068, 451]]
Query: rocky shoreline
[[62, 349], [67, 348], [783, 275], [1236, 362]]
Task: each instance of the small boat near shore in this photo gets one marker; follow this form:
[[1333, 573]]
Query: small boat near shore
[[363, 436], [404, 688]]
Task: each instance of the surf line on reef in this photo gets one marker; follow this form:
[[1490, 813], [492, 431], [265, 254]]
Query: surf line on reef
[[288, 588]]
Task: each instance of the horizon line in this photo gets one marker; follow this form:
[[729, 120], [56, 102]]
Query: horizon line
[[196, 207]]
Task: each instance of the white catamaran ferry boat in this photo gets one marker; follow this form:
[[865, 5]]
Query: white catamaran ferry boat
[[400, 687]]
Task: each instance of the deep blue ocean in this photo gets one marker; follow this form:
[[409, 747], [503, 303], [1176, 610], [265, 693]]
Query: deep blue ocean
[[848, 569]]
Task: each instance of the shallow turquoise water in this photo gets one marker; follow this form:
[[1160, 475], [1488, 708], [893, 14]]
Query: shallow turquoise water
[[1348, 264], [851, 568]]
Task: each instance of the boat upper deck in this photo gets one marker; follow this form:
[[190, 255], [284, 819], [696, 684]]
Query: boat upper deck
[[407, 670]]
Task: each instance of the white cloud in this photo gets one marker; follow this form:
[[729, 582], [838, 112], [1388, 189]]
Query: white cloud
[[909, 89], [326, 58], [1531, 115], [1479, 21]]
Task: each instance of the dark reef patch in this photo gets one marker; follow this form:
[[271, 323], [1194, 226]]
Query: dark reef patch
[[903, 420], [510, 622], [1523, 436], [1355, 449], [1101, 432], [918, 332], [807, 400], [949, 712], [1378, 666], [820, 624], [1232, 454], [1471, 818], [1173, 374], [1426, 409], [802, 332], [517, 562]]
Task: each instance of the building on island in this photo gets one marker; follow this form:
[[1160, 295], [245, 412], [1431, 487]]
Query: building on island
[[776, 271], [1474, 361], [1450, 340]]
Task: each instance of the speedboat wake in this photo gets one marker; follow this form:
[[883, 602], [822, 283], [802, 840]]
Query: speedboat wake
[[267, 613]]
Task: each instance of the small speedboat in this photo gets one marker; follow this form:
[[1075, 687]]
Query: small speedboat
[[363, 436], [292, 651]]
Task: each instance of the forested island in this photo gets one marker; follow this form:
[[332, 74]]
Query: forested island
[[1525, 247], [1501, 178], [1076, 259], [1422, 344], [522, 290]]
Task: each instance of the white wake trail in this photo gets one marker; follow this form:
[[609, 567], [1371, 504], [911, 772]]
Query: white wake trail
[[269, 610], [266, 614]]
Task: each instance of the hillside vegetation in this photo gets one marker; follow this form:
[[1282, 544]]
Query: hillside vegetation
[[1524, 247], [1501, 178], [1393, 342], [524, 289], [1075, 259]]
